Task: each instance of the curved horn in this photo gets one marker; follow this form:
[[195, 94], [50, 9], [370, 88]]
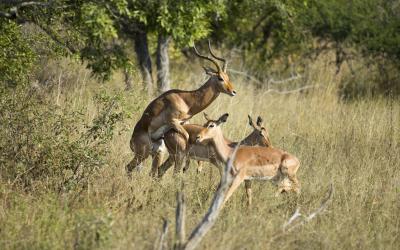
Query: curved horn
[[206, 116], [207, 58], [259, 121], [216, 57], [250, 121]]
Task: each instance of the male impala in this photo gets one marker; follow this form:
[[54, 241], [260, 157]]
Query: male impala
[[253, 162], [179, 148], [172, 109]]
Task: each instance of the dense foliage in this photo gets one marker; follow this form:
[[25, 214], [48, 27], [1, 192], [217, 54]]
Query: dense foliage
[[101, 32], [43, 142], [16, 56]]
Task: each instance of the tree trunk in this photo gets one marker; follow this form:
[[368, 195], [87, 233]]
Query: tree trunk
[[163, 83], [143, 56]]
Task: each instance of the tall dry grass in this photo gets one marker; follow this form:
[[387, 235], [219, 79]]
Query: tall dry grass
[[354, 145]]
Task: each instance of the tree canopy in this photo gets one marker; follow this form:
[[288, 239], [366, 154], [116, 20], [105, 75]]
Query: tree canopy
[[101, 32]]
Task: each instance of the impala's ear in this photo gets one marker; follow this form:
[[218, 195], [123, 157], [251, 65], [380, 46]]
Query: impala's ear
[[206, 116], [259, 121], [250, 121], [223, 118], [210, 71]]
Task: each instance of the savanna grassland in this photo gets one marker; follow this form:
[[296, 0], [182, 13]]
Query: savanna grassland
[[353, 144]]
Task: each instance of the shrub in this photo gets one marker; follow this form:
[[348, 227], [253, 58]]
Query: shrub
[[41, 143]]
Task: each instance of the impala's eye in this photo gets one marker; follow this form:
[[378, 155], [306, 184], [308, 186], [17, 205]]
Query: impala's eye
[[211, 125], [220, 78]]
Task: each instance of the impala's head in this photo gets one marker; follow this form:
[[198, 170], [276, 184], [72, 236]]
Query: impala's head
[[259, 136], [218, 75], [211, 128]]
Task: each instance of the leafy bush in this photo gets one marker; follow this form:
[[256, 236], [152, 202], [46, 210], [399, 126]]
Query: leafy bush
[[43, 143], [16, 55]]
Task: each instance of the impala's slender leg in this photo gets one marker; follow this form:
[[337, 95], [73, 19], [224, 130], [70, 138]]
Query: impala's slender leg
[[176, 125], [179, 158], [284, 186], [199, 167], [218, 165], [247, 185], [140, 145], [295, 183], [187, 165], [293, 178], [288, 168], [235, 184], [165, 166], [158, 157], [136, 162]]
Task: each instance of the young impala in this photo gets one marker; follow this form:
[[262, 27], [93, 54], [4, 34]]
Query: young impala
[[180, 149], [172, 109], [253, 162]]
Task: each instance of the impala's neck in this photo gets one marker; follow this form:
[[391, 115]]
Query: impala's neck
[[253, 139], [249, 140], [222, 147], [201, 98]]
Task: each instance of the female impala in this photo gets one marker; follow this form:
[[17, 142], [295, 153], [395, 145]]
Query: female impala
[[252, 163], [179, 148], [171, 110]]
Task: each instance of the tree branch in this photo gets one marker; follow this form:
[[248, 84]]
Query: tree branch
[[211, 216], [271, 80], [290, 91], [292, 78], [53, 36], [13, 12]]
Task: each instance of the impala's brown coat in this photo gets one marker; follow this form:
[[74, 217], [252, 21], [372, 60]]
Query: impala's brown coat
[[179, 148], [253, 162], [169, 111]]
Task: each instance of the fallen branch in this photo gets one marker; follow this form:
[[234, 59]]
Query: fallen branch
[[295, 222], [290, 225]]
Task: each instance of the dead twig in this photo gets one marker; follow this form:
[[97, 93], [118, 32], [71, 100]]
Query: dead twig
[[162, 244], [180, 221]]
